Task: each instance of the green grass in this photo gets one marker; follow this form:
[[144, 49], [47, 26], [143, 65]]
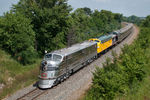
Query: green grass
[[14, 75]]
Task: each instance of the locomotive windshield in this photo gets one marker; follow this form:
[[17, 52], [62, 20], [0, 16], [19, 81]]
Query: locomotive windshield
[[48, 56], [53, 57], [57, 57]]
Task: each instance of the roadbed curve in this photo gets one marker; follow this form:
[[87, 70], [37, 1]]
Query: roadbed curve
[[76, 85]]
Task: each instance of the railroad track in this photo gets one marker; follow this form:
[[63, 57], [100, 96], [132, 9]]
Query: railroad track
[[32, 95]]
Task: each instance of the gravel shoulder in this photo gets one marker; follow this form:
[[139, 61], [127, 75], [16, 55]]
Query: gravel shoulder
[[75, 86]]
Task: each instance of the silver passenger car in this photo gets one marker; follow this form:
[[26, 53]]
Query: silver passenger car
[[123, 32], [60, 64]]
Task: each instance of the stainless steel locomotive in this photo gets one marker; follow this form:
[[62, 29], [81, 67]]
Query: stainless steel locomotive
[[60, 64]]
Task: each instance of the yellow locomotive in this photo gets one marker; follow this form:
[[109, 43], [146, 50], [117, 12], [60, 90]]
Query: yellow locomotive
[[103, 42], [106, 41]]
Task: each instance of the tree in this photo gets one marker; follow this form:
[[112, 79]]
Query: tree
[[118, 17], [81, 27], [146, 22], [133, 19], [87, 10], [50, 20], [106, 21], [17, 37]]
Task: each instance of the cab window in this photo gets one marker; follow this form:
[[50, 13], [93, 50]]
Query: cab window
[[57, 57]]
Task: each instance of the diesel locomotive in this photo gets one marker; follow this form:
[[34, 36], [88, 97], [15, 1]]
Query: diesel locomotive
[[60, 64]]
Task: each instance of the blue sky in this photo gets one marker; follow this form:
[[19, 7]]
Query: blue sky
[[139, 8]]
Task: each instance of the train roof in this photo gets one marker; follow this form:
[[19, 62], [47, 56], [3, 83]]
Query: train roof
[[105, 38], [74, 48], [128, 25]]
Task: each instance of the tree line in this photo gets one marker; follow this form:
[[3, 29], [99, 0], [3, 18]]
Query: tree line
[[33, 26], [134, 19]]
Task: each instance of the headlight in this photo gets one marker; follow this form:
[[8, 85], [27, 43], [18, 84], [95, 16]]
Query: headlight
[[44, 68], [45, 62]]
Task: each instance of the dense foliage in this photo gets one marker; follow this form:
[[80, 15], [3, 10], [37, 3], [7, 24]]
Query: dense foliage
[[33, 26], [126, 73], [146, 22], [49, 19], [17, 37]]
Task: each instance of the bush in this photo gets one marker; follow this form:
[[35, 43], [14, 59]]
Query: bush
[[27, 57]]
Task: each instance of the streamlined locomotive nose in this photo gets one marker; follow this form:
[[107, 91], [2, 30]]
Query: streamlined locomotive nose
[[49, 70], [47, 74]]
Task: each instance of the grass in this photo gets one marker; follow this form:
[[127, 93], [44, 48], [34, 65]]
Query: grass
[[15, 76]]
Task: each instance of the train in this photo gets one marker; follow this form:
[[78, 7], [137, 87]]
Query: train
[[58, 65]]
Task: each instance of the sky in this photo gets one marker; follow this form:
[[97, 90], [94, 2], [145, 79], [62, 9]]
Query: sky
[[5, 5], [139, 8]]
